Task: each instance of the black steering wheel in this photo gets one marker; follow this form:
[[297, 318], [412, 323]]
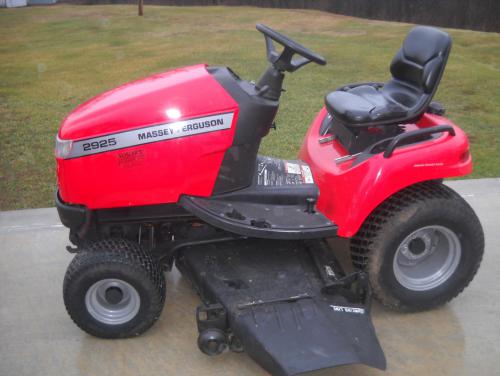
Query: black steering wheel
[[285, 60]]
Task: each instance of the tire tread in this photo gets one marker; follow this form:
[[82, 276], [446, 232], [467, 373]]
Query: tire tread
[[385, 218], [116, 251]]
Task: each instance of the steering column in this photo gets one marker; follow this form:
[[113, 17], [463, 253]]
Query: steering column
[[270, 83]]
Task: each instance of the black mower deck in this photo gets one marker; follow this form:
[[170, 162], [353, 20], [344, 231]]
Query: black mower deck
[[288, 303]]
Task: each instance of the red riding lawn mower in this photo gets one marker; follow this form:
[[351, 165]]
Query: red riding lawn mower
[[166, 171]]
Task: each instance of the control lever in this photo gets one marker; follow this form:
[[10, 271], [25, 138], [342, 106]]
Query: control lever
[[310, 202], [262, 90]]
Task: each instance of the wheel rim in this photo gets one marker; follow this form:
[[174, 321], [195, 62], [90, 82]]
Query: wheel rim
[[112, 301], [427, 258]]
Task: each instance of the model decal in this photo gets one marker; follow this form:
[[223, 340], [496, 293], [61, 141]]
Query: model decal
[[359, 311], [131, 158], [436, 164], [160, 132]]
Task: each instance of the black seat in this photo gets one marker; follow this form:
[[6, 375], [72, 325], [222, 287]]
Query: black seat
[[416, 71]]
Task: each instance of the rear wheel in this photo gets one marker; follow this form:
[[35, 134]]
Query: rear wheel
[[421, 247], [113, 289]]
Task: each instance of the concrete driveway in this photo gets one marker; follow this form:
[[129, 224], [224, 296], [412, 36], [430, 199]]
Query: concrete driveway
[[37, 337]]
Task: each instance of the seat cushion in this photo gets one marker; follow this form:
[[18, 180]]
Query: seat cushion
[[363, 105]]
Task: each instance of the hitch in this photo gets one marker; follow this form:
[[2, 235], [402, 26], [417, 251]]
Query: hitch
[[212, 316], [212, 327]]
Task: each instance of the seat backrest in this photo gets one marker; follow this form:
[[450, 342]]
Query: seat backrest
[[421, 61]]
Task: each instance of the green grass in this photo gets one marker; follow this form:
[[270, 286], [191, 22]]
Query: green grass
[[52, 58]]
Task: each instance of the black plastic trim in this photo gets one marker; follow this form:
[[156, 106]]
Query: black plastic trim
[[74, 217], [223, 222], [255, 118], [278, 190], [146, 213], [436, 108], [357, 140]]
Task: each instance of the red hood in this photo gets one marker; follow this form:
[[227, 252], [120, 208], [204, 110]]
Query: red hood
[[192, 91]]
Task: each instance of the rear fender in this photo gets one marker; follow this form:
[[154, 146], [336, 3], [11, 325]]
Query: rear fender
[[351, 190]]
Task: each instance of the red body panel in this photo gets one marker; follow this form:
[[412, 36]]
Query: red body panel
[[153, 173], [350, 192]]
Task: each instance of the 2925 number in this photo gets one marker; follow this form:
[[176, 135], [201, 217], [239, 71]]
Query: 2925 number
[[99, 144]]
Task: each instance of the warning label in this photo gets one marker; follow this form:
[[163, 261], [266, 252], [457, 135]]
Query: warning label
[[275, 172], [307, 174], [292, 168]]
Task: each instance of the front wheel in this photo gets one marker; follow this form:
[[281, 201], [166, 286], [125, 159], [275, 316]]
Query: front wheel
[[421, 247], [114, 289]]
